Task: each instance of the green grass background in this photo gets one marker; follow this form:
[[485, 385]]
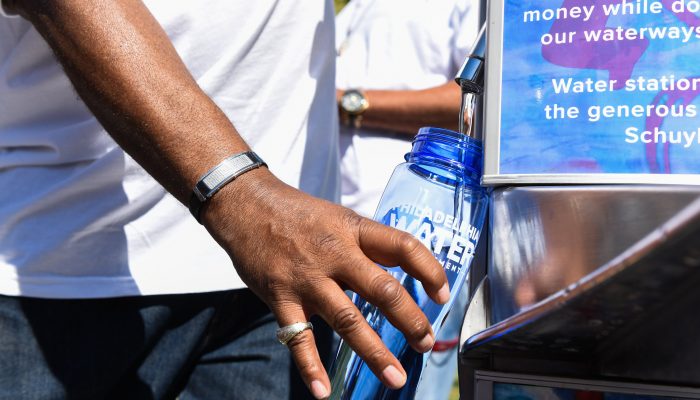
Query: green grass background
[[339, 4]]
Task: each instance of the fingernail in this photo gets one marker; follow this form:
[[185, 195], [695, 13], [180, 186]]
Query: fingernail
[[426, 343], [319, 390], [444, 294], [393, 377]]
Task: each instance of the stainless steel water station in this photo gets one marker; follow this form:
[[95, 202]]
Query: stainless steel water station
[[588, 282]]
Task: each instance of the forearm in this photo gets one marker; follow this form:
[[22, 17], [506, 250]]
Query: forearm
[[125, 68], [406, 111], [296, 252]]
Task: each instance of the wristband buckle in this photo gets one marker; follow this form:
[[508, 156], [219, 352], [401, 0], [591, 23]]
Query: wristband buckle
[[219, 176]]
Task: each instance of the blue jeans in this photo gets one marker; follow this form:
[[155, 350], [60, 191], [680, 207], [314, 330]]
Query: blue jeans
[[217, 345]]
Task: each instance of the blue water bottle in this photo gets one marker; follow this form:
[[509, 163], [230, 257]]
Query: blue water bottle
[[435, 195]]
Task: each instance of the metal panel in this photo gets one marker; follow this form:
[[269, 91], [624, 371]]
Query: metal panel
[[634, 317], [484, 378], [492, 96], [543, 239], [579, 179]]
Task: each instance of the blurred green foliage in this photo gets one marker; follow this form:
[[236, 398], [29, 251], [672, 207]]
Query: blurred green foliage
[[454, 393], [339, 4]]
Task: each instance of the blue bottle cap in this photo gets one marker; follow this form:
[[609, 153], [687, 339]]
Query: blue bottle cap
[[459, 154]]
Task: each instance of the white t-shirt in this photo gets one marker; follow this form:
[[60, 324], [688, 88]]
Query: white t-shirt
[[80, 219], [394, 45]]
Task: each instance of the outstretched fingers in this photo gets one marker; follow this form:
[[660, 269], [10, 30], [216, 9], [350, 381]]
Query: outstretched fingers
[[391, 247], [304, 351], [344, 317], [381, 289]]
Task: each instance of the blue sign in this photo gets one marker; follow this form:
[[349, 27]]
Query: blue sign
[[600, 86]]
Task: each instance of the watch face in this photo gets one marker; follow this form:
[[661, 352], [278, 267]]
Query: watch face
[[353, 101]]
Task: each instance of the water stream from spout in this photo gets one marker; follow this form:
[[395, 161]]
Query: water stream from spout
[[466, 113]]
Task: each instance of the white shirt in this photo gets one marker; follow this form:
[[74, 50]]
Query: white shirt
[[80, 219], [394, 45]]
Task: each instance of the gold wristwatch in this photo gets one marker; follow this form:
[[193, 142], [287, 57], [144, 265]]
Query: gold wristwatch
[[353, 103]]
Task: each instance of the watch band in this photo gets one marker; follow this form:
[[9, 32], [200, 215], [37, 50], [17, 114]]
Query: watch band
[[353, 103], [217, 177], [355, 121]]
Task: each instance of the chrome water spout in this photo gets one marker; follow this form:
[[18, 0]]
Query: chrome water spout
[[471, 76], [471, 79]]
